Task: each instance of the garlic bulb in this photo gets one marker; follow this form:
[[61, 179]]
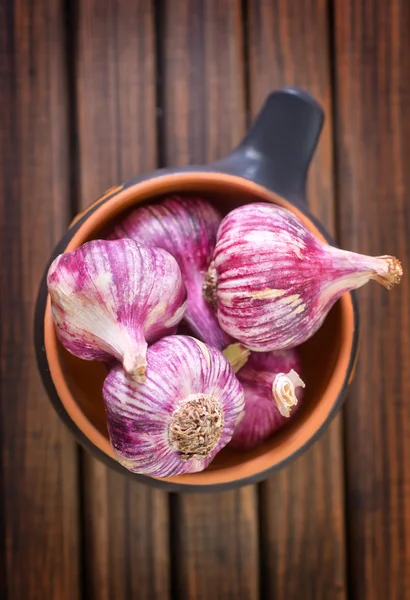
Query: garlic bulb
[[183, 414], [186, 228], [109, 298], [273, 282], [273, 393]]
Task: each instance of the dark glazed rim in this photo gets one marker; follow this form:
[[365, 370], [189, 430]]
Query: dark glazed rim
[[84, 441]]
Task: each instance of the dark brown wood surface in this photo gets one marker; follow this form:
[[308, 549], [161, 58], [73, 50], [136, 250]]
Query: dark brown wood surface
[[372, 85], [40, 533], [92, 93]]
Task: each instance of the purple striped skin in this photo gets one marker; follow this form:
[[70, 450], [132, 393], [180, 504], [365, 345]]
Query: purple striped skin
[[276, 282], [186, 228], [262, 417], [109, 298], [139, 415]]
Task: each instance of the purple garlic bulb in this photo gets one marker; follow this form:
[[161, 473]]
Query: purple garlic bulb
[[186, 228], [273, 392], [273, 282], [109, 298], [181, 416]]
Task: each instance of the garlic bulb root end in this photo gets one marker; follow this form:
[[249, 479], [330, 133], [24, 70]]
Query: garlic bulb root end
[[196, 427], [210, 284], [283, 391], [237, 356]]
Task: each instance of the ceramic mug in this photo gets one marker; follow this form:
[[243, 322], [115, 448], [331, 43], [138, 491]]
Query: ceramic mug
[[269, 165]]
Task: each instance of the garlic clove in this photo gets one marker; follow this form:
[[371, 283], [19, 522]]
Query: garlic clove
[[273, 282], [109, 298], [181, 416], [268, 394]]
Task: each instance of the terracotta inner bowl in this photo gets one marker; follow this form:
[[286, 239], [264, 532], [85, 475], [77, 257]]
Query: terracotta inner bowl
[[325, 357]]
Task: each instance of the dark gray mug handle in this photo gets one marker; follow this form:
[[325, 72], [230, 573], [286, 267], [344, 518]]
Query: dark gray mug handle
[[277, 150]]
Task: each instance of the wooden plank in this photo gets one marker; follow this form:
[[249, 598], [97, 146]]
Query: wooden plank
[[126, 534], [39, 462], [373, 125], [302, 506], [216, 551], [216, 554]]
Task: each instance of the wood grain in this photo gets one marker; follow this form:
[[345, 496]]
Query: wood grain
[[126, 525], [216, 545], [302, 511], [216, 552], [286, 538], [372, 65], [39, 462], [204, 96]]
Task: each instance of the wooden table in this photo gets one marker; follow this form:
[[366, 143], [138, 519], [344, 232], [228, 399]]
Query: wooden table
[[95, 91]]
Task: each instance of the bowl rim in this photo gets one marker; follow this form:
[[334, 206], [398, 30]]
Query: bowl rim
[[101, 212]]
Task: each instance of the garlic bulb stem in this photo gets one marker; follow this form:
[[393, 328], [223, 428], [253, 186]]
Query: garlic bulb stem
[[135, 361], [196, 427], [352, 270], [237, 355], [283, 391]]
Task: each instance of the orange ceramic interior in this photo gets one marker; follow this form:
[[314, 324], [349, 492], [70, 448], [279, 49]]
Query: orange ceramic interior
[[325, 357]]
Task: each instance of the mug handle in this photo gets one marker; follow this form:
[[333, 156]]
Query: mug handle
[[278, 148]]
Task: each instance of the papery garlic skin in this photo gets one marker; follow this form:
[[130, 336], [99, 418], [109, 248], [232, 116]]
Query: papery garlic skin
[[186, 228], [275, 282], [109, 298], [181, 416], [284, 391], [262, 379]]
